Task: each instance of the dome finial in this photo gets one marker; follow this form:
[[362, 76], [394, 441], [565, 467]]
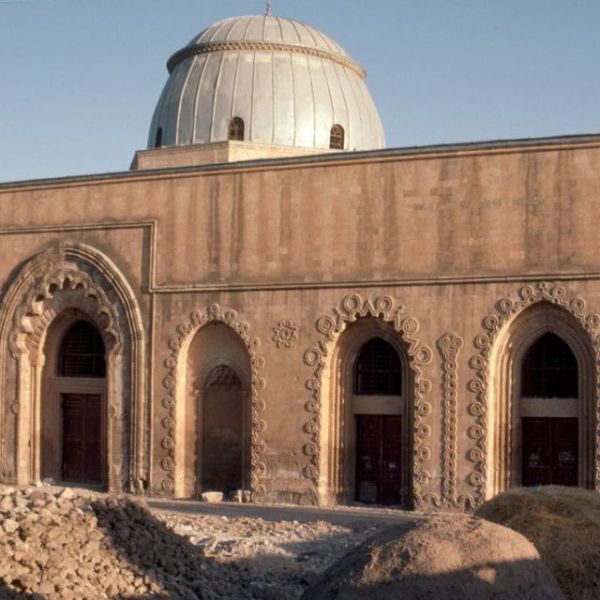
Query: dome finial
[[268, 9]]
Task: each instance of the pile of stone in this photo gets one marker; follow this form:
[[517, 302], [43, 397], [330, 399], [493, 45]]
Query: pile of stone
[[58, 545], [443, 557]]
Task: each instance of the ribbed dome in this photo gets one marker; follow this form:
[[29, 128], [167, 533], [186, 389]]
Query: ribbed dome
[[288, 82]]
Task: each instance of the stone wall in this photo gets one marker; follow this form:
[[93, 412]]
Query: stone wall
[[446, 247]]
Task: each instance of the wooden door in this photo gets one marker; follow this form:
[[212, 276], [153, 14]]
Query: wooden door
[[550, 451], [378, 459], [81, 446]]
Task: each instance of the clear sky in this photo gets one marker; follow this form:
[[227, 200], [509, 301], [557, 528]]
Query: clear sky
[[79, 78]]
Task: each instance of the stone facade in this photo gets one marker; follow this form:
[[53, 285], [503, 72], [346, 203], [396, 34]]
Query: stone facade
[[279, 270]]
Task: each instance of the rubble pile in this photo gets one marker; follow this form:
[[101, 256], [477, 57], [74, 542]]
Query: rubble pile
[[65, 546], [58, 544], [442, 557]]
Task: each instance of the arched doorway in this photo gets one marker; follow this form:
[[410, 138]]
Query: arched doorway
[[70, 281], [74, 394], [541, 414], [367, 438], [549, 413], [377, 408], [224, 453]]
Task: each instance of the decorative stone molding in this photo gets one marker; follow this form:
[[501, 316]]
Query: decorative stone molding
[[449, 346], [285, 334], [330, 327], [258, 46], [214, 313], [507, 309], [73, 276], [64, 287]]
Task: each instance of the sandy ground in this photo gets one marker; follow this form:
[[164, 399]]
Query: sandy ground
[[278, 558]]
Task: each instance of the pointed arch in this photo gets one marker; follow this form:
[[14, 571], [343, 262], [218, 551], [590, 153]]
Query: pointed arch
[[174, 384], [70, 276], [508, 334], [324, 402]]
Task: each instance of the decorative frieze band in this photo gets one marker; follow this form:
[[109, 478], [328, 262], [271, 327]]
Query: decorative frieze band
[[258, 46], [449, 346]]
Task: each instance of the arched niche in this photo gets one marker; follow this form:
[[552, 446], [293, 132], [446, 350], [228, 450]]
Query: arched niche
[[214, 376], [73, 424], [509, 405], [70, 279], [351, 410]]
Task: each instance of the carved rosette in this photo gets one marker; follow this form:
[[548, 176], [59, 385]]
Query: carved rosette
[[215, 313], [330, 327], [449, 346], [507, 309], [285, 334]]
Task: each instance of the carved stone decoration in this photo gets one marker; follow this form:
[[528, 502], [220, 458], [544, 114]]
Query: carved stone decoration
[[330, 327], [223, 376], [215, 313], [507, 309], [33, 317], [285, 334], [449, 346], [70, 276]]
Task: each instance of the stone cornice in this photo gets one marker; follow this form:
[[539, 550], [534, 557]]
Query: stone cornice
[[329, 159], [260, 46]]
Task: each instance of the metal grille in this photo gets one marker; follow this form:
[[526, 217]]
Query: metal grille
[[378, 371], [81, 352], [549, 370], [236, 129], [336, 138]]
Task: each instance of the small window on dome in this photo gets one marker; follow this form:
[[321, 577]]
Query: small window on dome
[[336, 138], [236, 129], [158, 140]]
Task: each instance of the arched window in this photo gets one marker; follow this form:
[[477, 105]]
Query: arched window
[[378, 371], [159, 136], [222, 377], [336, 138], [81, 352], [236, 129], [549, 369]]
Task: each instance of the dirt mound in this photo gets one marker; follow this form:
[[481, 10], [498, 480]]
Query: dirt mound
[[443, 558], [564, 525], [62, 546]]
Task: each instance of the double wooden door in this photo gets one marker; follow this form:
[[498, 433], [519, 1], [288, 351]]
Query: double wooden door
[[82, 447], [550, 451], [379, 459]]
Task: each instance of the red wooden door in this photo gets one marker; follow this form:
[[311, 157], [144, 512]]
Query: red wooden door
[[378, 459], [81, 438], [550, 451]]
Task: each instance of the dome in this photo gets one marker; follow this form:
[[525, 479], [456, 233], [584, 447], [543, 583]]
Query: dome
[[266, 80]]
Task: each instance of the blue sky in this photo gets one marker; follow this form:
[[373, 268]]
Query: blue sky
[[79, 78]]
